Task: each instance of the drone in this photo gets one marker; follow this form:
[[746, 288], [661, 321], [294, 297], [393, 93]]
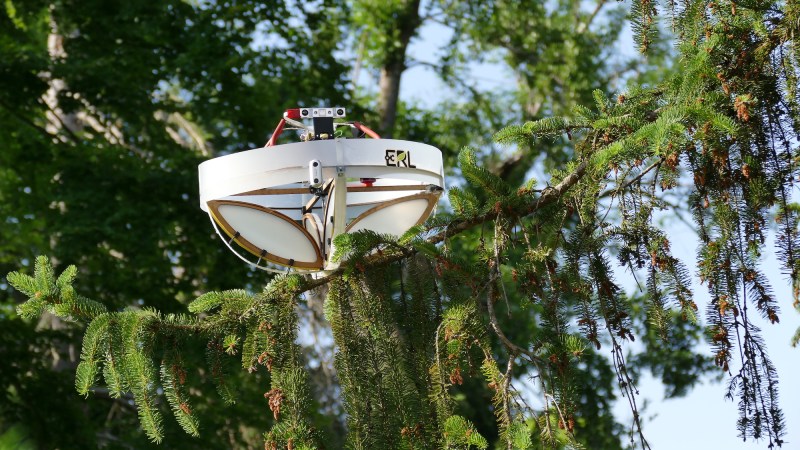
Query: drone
[[280, 207]]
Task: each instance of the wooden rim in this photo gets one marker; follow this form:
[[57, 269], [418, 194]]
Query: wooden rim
[[324, 245], [313, 219], [431, 197], [213, 206]]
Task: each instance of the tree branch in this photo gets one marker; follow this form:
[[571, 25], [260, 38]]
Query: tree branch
[[583, 26], [549, 195]]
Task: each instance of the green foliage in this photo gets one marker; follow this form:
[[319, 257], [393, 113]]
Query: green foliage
[[106, 109], [464, 202], [138, 369], [57, 296], [206, 302], [479, 176], [173, 379], [16, 437], [434, 330], [356, 246], [126, 344], [95, 343], [548, 126], [217, 360], [375, 367], [520, 436], [459, 433]]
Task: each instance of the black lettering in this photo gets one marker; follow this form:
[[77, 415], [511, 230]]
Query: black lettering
[[399, 158], [408, 161], [390, 158]]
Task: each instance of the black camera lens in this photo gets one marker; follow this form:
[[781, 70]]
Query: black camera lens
[[305, 112], [340, 112]]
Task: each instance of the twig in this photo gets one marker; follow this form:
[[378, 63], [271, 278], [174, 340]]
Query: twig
[[639, 177], [583, 26], [513, 348], [506, 403], [560, 414]]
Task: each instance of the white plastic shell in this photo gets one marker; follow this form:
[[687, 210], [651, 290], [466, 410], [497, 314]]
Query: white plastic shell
[[384, 185]]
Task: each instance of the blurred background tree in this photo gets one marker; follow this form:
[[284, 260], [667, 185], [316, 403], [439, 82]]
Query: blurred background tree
[[105, 107]]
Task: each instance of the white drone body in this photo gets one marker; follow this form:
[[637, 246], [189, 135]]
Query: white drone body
[[285, 204]]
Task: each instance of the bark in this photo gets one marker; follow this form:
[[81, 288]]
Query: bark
[[408, 21]]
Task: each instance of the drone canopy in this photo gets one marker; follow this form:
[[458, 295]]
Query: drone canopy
[[284, 204]]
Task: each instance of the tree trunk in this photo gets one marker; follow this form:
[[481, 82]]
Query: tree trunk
[[394, 64]]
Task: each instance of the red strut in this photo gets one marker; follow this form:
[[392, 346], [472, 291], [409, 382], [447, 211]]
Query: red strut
[[294, 113], [364, 129], [276, 134]]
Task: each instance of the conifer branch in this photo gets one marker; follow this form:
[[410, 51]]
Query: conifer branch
[[549, 196]]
